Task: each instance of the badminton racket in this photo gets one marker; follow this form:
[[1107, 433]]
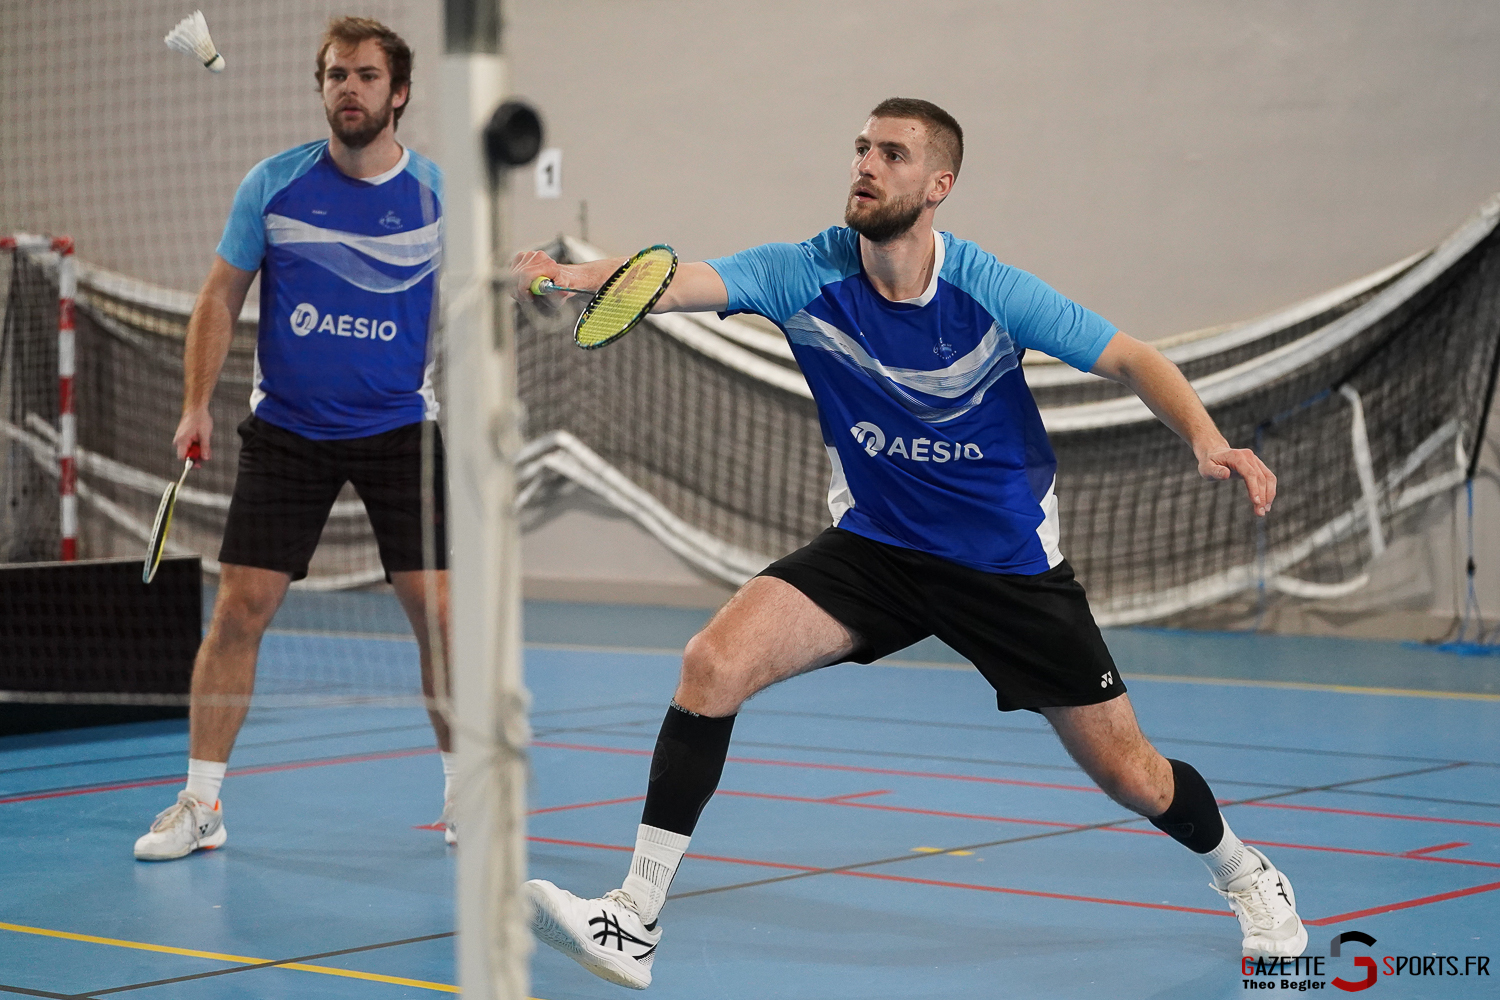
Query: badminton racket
[[623, 300], [158, 543]]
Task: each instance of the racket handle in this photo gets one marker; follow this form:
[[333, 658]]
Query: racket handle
[[542, 285], [194, 453]]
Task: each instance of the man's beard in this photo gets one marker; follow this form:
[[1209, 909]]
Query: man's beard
[[882, 223], [362, 133]]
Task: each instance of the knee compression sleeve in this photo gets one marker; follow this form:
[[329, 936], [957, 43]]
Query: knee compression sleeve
[[1193, 818], [685, 769]]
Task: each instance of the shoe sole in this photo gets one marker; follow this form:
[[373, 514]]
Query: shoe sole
[[551, 931], [213, 840]]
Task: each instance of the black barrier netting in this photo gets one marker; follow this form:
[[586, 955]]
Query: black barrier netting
[[743, 460]]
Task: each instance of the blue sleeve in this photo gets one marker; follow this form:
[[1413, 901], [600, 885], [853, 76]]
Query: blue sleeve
[[775, 280], [1035, 314], [244, 242]]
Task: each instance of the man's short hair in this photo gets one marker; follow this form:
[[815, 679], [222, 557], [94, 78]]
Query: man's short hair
[[350, 31], [943, 130]]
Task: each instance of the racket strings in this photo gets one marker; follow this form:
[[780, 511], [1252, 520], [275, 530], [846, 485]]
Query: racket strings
[[622, 303]]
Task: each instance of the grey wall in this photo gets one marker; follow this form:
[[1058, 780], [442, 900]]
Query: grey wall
[[1173, 165]]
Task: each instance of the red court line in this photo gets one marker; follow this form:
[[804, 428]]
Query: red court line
[[838, 767], [903, 878], [839, 800], [1438, 847], [586, 805], [1356, 812], [1372, 911], [1322, 921], [299, 765], [856, 795], [1011, 781]]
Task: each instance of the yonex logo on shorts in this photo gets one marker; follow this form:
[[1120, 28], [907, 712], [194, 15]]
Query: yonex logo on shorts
[[304, 320], [918, 450]]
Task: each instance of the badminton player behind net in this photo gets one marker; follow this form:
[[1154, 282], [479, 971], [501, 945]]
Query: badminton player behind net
[[945, 522], [345, 233]]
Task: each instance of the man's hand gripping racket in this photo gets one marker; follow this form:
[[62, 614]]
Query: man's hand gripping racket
[[158, 542], [622, 301]]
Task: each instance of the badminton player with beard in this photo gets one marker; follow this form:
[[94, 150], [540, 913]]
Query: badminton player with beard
[[945, 522], [346, 234]]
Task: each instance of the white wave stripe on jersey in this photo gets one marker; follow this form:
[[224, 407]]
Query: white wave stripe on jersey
[[972, 374], [344, 253]]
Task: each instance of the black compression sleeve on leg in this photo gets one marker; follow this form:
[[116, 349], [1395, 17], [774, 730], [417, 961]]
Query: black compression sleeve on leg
[[685, 769], [1193, 818]]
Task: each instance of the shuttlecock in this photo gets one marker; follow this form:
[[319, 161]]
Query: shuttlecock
[[191, 36]]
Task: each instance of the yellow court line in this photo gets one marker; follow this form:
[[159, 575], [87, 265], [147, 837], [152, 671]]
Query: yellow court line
[[216, 956]]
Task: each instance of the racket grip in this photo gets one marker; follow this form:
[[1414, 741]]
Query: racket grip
[[541, 285], [194, 453]]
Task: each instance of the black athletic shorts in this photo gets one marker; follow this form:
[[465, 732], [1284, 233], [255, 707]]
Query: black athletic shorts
[[1032, 637], [287, 483]]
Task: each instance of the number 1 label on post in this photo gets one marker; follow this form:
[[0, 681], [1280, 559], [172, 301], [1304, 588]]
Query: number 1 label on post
[[549, 174]]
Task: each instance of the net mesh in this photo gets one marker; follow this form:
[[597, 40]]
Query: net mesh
[[1392, 374], [139, 160]]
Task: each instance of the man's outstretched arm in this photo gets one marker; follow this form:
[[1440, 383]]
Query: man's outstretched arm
[[696, 287], [210, 329], [1146, 371]]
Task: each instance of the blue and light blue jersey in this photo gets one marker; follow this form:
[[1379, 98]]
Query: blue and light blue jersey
[[935, 440], [348, 290]]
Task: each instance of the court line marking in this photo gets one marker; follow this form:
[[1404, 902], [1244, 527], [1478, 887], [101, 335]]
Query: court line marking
[[1123, 821], [614, 729], [807, 870], [296, 765], [1258, 801], [238, 746], [1043, 730], [1419, 854], [1375, 815], [220, 957], [261, 965], [34, 993], [1406, 905]]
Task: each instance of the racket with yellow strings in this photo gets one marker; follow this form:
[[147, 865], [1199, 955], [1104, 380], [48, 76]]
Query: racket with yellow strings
[[158, 543], [623, 300]]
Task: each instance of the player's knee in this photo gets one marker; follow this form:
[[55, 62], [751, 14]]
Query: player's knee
[[1133, 785], [243, 612], [707, 666]]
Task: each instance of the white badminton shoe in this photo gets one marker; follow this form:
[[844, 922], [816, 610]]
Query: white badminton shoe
[[185, 827], [450, 824], [1267, 908], [605, 936]]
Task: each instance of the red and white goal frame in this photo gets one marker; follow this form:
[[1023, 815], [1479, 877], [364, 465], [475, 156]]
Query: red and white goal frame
[[67, 364]]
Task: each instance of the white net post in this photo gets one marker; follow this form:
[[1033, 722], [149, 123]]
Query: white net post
[[489, 699]]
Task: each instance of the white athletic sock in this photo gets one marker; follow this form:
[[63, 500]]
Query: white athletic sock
[[450, 767], [1230, 860], [204, 779], [658, 852]]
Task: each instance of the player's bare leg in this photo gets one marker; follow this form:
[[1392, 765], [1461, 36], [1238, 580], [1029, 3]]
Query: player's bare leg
[[223, 680], [1108, 744], [224, 672], [769, 631], [424, 598]]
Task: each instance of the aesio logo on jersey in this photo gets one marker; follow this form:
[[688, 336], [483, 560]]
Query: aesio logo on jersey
[[919, 450], [304, 320]]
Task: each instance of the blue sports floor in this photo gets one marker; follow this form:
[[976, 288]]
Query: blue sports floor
[[880, 831]]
